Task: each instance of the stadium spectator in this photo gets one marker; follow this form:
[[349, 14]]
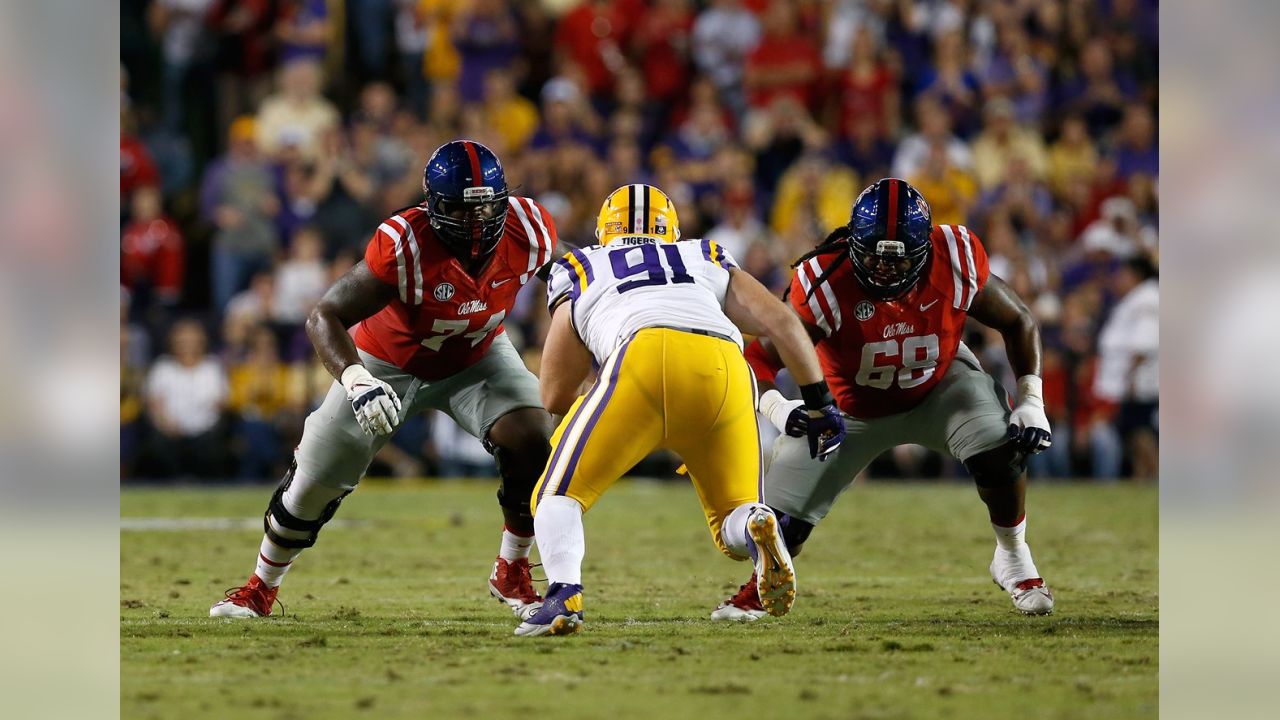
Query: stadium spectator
[[778, 138], [1128, 363], [513, 117], [1117, 232], [265, 395], [305, 31], [485, 34], [237, 196], [592, 35], [412, 36], [950, 190], [254, 305], [137, 169], [1098, 92], [864, 150], [370, 22], [1073, 157], [785, 63], [242, 31], [1136, 150], [662, 44], [867, 89], [739, 228], [824, 188], [298, 115], [186, 394], [723, 35], [301, 279], [152, 251], [179, 24], [1001, 142], [933, 124], [952, 83]]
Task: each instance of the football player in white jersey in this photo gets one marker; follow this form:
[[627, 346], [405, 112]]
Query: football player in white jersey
[[662, 319]]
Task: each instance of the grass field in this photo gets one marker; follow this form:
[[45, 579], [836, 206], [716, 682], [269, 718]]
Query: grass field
[[388, 616]]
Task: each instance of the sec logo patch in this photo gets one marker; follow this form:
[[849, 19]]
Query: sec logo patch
[[864, 310], [443, 291]]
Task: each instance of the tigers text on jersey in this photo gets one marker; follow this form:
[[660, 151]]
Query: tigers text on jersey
[[883, 357], [443, 319], [616, 290]]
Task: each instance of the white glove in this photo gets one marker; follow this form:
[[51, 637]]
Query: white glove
[[376, 405], [783, 413], [1028, 425]]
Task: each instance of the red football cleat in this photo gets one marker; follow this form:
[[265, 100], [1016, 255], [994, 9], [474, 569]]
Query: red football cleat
[[743, 607], [253, 599], [511, 583]]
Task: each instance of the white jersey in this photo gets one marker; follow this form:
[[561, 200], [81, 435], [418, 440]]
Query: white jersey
[[617, 290]]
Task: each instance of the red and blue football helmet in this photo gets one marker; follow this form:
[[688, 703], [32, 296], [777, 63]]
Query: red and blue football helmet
[[466, 201], [889, 230]]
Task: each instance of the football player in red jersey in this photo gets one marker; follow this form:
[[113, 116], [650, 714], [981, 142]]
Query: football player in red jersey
[[427, 304], [885, 299]]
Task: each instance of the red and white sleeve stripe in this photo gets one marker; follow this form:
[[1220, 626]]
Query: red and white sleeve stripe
[[539, 240], [408, 263], [964, 273], [823, 305]]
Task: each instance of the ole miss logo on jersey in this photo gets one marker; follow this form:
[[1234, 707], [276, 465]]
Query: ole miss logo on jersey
[[442, 319], [883, 357]]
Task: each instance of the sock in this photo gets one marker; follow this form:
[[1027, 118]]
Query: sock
[[304, 500], [1010, 539], [273, 562], [734, 530], [514, 547], [561, 543]]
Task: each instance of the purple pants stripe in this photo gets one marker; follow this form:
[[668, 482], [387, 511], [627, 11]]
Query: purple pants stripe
[[563, 486]]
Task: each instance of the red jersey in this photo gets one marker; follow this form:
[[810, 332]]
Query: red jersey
[[443, 320], [883, 357]]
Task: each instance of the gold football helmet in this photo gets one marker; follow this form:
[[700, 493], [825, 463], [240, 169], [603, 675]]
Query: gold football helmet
[[637, 211]]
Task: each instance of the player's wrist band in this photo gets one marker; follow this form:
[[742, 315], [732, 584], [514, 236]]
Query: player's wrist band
[[816, 396]]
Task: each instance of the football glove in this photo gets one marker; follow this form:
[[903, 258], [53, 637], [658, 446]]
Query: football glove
[[1028, 425], [376, 405], [824, 425]]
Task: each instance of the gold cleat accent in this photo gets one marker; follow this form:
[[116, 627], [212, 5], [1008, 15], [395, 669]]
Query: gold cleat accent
[[775, 576], [565, 625]]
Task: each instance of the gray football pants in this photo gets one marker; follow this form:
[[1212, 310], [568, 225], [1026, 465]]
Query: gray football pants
[[965, 414]]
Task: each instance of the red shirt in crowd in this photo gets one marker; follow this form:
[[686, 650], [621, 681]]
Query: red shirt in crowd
[[663, 38], [136, 167], [782, 66], [153, 255], [593, 34], [864, 95]]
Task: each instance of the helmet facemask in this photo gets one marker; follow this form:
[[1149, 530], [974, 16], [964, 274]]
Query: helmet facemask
[[470, 226], [885, 268]]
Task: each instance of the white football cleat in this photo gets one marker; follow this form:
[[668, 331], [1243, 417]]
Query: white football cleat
[[1016, 574], [775, 575]]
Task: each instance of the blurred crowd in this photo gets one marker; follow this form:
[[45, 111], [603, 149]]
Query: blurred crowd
[[263, 140]]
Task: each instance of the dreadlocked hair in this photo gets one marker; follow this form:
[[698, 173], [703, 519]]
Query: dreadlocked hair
[[838, 239]]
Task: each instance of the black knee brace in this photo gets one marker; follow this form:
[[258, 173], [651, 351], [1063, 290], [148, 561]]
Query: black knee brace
[[519, 468], [998, 467], [794, 531], [285, 519]]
